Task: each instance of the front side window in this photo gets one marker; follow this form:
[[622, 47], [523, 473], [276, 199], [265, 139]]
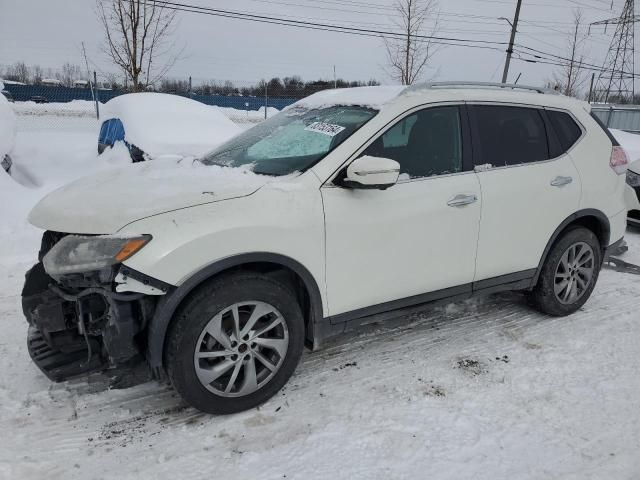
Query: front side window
[[509, 135], [292, 141], [426, 143]]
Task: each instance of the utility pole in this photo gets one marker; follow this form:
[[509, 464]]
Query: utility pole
[[95, 86], [514, 28], [335, 82]]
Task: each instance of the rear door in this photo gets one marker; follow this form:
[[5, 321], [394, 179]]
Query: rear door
[[529, 186]]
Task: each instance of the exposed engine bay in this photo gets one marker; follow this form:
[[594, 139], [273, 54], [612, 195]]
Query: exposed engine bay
[[79, 323]]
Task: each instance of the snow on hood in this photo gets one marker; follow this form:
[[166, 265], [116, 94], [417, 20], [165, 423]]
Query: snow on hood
[[160, 124], [373, 97], [106, 202], [7, 127]]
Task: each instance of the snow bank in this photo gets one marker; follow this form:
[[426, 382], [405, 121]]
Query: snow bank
[[77, 108], [160, 124], [373, 97], [7, 127]]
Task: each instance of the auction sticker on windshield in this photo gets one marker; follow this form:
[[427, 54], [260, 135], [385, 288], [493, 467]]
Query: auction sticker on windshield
[[325, 128]]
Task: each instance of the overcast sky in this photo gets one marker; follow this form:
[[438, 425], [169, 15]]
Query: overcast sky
[[50, 32]]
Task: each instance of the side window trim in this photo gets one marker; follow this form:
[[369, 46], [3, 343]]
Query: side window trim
[[465, 125], [550, 134]]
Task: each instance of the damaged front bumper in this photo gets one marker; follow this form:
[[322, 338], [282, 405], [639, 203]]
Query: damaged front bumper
[[84, 323]]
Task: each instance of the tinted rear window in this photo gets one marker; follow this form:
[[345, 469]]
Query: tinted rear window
[[510, 135], [566, 129]]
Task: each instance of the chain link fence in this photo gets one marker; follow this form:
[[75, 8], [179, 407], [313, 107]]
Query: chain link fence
[[49, 101]]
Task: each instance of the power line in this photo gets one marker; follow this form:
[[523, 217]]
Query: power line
[[322, 26], [539, 56]]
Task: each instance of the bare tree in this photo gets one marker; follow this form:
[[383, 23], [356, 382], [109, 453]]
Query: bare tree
[[37, 74], [137, 33], [69, 74], [409, 54], [19, 72], [570, 78]]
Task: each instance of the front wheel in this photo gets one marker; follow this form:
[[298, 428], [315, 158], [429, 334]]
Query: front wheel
[[235, 343], [569, 273]]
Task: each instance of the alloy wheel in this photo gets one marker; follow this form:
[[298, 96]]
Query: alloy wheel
[[241, 349], [574, 273]]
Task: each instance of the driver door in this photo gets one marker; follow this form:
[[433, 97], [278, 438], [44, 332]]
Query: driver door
[[414, 242]]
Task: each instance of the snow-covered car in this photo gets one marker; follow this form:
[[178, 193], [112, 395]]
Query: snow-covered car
[[348, 207], [154, 124], [7, 133]]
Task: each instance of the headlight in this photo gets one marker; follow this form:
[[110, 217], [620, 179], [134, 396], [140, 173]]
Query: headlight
[[76, 254], [633, 179]]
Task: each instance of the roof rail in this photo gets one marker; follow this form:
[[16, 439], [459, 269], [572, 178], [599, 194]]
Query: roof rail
[[511, 86]]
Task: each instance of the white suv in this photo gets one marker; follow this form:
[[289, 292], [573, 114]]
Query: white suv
[[350, 204]]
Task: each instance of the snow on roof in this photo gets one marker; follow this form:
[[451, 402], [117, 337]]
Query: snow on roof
[[11, 82], [373, 97], [51, 80], [159, 123]]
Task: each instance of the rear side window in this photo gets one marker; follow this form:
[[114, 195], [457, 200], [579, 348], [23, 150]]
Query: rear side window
[[509, 135], [566, 129]]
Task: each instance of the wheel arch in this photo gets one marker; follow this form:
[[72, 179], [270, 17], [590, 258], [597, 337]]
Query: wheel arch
[[594, 220], [261, 261]]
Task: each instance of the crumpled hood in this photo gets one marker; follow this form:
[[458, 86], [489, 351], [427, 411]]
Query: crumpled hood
[[106, 202]]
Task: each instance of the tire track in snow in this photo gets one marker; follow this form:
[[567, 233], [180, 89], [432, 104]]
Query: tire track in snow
[[393, 363]]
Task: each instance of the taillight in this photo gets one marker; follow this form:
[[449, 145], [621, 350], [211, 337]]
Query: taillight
[[619, 161]]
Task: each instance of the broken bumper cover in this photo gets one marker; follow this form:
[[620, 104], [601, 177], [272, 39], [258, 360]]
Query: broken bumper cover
[[81, 326]]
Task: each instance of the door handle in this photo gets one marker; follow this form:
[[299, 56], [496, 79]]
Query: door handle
[[561, 181], [461, 200]]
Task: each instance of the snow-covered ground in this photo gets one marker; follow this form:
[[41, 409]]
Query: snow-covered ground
[[482, 389]]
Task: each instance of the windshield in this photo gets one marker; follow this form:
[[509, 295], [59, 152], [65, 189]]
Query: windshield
[[292, 141]]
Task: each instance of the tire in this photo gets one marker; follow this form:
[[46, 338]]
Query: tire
[[207, 322], [545, 295]]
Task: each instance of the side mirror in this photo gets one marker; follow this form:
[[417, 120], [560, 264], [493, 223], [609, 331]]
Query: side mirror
[[372, 172]]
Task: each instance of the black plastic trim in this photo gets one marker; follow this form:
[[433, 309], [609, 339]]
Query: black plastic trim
[[168, 304], [588, 212], [514, 281], [612, 248], [505, 282], [402, 303], [145, 279]]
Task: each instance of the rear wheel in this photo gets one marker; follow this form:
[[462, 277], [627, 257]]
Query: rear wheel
[[235, 343], [569, 273]]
